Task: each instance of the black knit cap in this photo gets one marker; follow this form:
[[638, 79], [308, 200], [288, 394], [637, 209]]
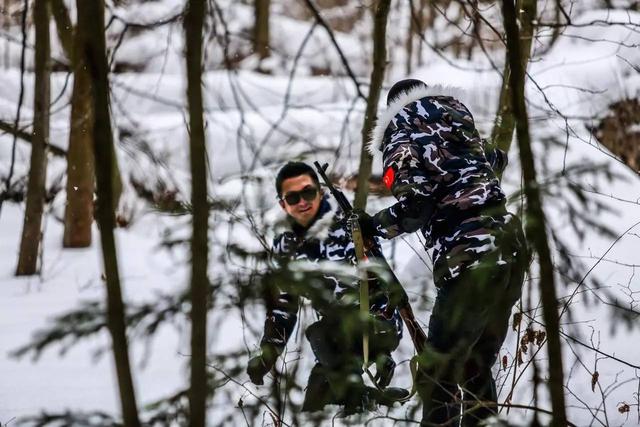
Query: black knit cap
[[403, 86]]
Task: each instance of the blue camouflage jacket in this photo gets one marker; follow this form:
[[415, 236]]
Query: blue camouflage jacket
[[327, 239], [443, 176]]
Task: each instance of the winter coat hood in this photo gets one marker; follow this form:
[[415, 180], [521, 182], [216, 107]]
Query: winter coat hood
[[374, 145]]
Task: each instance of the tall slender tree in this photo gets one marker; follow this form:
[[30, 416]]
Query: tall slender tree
[[31, 231], [261, 28], [418, 21], [91, 14], [194, 27], [375, 87], [80, 188], [64, 27], [6, 24], [504, 125], [78, 214], [535, 223], [410, 36]]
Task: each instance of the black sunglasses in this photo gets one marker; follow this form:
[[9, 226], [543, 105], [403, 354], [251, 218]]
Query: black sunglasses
[[293, 197]]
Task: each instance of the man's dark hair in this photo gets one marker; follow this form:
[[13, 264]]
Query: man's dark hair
[[403, 86], [293, 169]]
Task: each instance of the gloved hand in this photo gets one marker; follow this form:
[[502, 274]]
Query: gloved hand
[[385, 366], [257, 369], [367, 224], [260, 365]]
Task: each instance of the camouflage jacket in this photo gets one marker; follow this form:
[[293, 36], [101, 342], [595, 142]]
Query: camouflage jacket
[[444, 177], [325, 253]]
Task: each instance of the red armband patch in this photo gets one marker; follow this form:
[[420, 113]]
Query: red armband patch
[[389, 177]]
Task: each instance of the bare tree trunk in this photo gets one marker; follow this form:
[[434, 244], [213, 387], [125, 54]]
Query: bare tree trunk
[[64, 26], [91, 13], [377, 77], [78, 214], [504, 125], [410, 37], [261, 28], [555, 32], [6, 24], [80, 165], [31, 231], [194, 28], [476, 29], [535, 218], [422, 24], [416, 31], [8, 186]]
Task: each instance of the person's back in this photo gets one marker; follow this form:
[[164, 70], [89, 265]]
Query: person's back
[[435, 163], [445, 180]]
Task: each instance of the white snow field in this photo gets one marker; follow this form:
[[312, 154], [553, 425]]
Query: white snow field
[[256, 122]]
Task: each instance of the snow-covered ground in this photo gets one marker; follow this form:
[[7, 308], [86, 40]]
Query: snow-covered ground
[[254, 123]]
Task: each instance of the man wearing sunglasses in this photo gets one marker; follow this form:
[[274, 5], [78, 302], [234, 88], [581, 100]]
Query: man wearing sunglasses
[[313, 230]]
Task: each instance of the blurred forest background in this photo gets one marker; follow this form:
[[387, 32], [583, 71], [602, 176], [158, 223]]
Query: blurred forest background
[[139, 142]]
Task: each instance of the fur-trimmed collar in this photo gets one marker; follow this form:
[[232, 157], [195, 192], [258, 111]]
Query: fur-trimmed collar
[[319, 229], [374, 145]]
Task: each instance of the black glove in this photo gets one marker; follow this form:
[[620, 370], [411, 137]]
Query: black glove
[[385, 366], [260, 365], [367, 224]]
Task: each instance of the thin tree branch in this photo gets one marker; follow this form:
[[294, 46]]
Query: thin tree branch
[[377, 77], [23, 24], [343, 58], [28, 137], [536, 221]]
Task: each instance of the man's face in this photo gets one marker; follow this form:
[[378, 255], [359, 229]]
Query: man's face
[[293, 200]]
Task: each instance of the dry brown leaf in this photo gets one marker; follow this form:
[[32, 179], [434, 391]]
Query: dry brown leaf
[[517, 318], [594, 380]]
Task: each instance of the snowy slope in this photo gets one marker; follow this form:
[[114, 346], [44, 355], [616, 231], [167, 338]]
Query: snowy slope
[[254, 123]]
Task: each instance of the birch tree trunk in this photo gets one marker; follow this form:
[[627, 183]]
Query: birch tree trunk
[[535, 221], [91, 14], [31, 230], [377, 77], [194, 28]]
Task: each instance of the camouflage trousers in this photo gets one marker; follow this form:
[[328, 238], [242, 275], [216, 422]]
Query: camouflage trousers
[[467, 327]]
